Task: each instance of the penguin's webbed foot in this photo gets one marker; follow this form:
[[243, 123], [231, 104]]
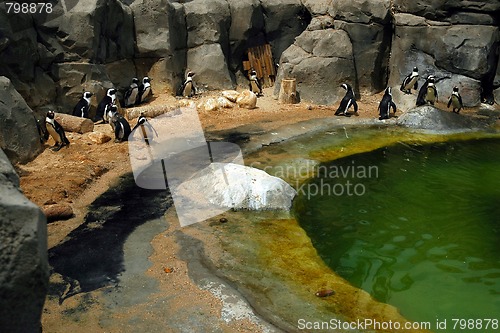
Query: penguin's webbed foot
[[57, 147], [347, 114]]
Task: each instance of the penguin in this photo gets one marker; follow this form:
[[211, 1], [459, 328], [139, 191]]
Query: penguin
[[121, 127], [110, 98], [56, 131], [144, 90], [187, 89], [411, 80], [82, 108], [348, 100], [131, 94], [423, 91], [109, 112], [147, 130], [455, 100], [254, 84], [432, 95], [384, 108]]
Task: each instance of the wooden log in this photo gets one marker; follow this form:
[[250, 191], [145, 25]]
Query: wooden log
[[74, 124], [288, 92], [148, 111], [58, 212]]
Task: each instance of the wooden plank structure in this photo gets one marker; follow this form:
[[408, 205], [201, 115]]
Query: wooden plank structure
[[260, 58]]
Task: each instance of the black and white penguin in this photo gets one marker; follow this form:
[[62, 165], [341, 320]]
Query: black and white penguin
[[411, 80], [82, 108], [187, 89], [131, 94], [254, 84], [423, 91], [348, 100], [145, 90], [103, 105], [147, 130], [384, 108], [455, 100], [121, 127], [109, 112], [432, 95], [56, 131]]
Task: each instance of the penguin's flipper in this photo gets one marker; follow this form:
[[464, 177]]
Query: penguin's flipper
[[415, 86], [460, 100], [355, 106], [393, 106], [117, 129], [449, 103], [153, 129], [403, 84], [421, 95]]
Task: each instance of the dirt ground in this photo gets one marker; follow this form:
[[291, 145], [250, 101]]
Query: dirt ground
[[78, 174]]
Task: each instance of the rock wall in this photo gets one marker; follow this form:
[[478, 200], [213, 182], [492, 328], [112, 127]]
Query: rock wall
[[101, 43], [19, 136], [24, 269]]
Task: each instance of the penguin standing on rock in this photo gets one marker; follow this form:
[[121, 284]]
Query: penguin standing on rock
[[56, 131], [145, 91], [455, 100], [348, 100], [147, 130], [120, 126], [82, 108], [423, 91], [131, 94], [411, 80], [110, 111], [432, 95], [384, 108], [187, 89], [254, 84], [109, 99]]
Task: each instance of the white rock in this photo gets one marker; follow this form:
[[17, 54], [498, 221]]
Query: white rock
[[231, 95], [229, 185], [247, 100], [223, 102]]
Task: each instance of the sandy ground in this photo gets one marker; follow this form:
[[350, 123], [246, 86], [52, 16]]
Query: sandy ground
[[77, 175]]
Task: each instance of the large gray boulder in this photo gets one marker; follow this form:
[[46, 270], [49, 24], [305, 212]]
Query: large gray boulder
[[24, 60], [368, 23], [161, 41], [209, 64], [159, 31], [19, 136], [207, 22], [72, 78], [462, 54], [284, 20], [361, 11], [97, 30], [433, 119], [246, 30], [320, 61], [24, 269], [448, 9], [371, 45]]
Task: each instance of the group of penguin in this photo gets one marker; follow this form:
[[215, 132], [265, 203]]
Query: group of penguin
[[427, 94], [107, 111]]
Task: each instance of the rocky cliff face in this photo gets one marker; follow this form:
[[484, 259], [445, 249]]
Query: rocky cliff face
[[24, 269], [370, 43]]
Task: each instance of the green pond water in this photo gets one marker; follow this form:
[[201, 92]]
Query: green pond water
[[417, 227]]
